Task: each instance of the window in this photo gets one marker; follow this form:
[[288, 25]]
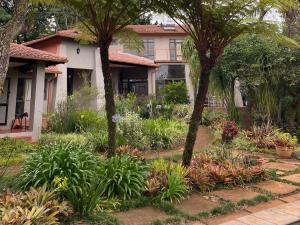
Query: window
[[175, 50], [171, 72], [167, 74], [149, 49]]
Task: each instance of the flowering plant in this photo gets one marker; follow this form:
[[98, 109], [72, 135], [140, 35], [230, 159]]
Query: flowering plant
[[230, 130]]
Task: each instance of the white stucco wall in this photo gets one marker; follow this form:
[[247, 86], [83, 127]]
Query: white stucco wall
[[87, 59], [37, 99]]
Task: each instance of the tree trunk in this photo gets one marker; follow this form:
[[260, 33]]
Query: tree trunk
[[206, 66], [8, 33], [109, 100]]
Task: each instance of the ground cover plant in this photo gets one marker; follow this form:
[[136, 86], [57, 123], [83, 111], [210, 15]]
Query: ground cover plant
[[37, 206]]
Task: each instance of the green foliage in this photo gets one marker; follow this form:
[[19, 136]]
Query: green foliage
[[12, 152], [52, 138], [14, 146], [285, 139], [123, 177], [154, 134], [125, 104], [169, 180], [86, 120], [176, 188], [164, 134], [211, 117], [182, 112], [70, 116], [133, 130], [70, 161], [176, 93], [88, 200]]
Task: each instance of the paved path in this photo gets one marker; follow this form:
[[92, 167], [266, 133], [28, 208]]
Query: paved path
[[285, 214]]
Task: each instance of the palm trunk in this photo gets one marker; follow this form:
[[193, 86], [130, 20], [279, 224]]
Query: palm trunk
[[206, 67], [8, 33], [109, 100]]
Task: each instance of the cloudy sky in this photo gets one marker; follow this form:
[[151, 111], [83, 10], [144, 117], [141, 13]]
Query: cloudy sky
[[163, 18]]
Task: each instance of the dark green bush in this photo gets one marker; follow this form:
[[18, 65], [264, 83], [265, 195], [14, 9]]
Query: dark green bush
[[210, 117], [85, 120], [176, 93], [69, 161], [123, 177]]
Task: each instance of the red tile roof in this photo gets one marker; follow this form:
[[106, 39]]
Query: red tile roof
[[72, 33], [52, 70], [23, 52], [131, 59], [155, 29], [140, 29]]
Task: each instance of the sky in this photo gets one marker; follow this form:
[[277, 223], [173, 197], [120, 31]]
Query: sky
[[163, 18]]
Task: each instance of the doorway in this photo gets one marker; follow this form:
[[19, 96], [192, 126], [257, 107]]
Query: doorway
[[4, 102]]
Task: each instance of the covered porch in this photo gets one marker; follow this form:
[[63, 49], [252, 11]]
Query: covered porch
[[132, 74], [22, 102]]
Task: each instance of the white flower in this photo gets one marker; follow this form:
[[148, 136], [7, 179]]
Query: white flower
[[158, 107], [117, 118]]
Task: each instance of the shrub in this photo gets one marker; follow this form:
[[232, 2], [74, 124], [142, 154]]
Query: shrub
[[210, 117], [176, 93], [167, 180], [85, 120], [33, 207], [98, 139], [206, 171], [132, 129], [67, 160], [164, 134], [123, 177], [87, 200], [285, 139], [51, 138], [182, 111], [126, 104], [230, 131], [63, 120]]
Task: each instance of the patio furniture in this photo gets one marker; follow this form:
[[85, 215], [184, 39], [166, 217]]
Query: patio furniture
[[18, 121]]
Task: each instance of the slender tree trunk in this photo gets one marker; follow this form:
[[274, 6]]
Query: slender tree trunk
[[206, 67], [109, 100], [8, 33]]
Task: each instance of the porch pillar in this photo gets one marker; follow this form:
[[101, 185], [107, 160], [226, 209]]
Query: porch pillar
[[151, 81], [37, 100], [61, 93], [97, 80], [12, 98], [189, 84]]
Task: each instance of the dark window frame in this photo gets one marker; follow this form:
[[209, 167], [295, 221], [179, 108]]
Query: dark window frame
[[148, 51], [174, 56]]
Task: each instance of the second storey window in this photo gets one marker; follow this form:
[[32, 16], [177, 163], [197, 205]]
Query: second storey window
[[175, 49], [149, 51]]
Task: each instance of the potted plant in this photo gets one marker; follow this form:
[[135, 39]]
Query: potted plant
[[285, 143]]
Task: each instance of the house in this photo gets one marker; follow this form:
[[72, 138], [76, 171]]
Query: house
[[131, 73], [27, 67], [45, 71]]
